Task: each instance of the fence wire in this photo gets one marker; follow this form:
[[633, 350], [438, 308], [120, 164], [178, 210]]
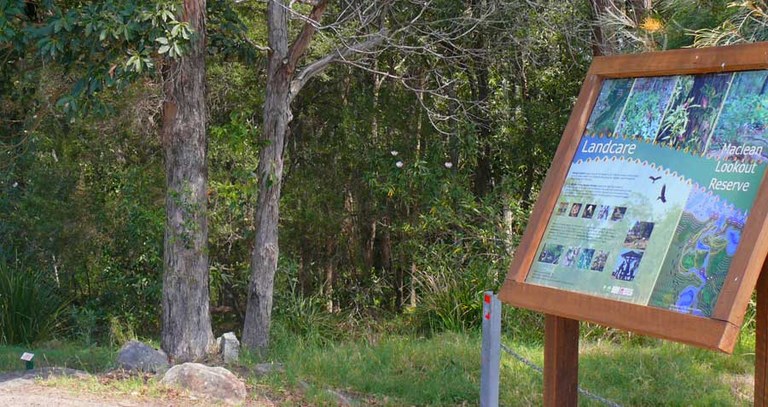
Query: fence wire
[[537, 368]]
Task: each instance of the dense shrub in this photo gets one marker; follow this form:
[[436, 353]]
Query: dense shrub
[[29, 305]]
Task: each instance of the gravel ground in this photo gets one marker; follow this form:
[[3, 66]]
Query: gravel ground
[[29, 389]]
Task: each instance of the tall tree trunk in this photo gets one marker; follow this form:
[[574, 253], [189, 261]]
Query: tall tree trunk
[[482, 181], [378, 80], [483, 177], [186, 320], [386, 256], [330, 276], [283, 84], [529, 177], [600, 44], [412, 297], [277, 116], [453, 138]]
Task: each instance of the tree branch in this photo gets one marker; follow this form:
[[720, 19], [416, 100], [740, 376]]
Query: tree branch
[[341, 53], [302, 42]]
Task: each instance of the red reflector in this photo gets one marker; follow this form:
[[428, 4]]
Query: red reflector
[[487, 299]]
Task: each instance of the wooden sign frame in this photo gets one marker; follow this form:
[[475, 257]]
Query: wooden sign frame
[[718, 332]]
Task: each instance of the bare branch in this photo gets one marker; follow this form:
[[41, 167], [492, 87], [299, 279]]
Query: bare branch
[[341, 53], [302, 42]]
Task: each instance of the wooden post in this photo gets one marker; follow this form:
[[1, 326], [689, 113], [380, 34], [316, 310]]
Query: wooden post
[[761, 340], [561, 362]]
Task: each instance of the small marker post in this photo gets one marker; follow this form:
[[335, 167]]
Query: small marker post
[[491, 351], [27, 358]]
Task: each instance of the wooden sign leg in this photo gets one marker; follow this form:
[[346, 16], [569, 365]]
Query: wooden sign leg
[[761, 340], [561, 362]]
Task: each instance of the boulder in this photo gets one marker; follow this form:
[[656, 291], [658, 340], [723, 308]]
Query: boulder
[[216, 383], [138, 356], [229, 347]]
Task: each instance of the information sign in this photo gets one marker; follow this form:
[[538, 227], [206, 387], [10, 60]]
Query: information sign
[[651, 218]]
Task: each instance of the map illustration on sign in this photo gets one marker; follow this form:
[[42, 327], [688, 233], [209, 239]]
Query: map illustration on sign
[[659, 190]]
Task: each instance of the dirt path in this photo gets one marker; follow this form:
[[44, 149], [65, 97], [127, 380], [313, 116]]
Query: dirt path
[[25, 389], [31, 389], [25, 392]]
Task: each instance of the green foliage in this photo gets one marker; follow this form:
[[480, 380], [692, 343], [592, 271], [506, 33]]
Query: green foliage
[[450, 274], [746, 21], [381, 216], [30, 307], [85, 200], [303, 316], [12, 18], [55, 353], [84, 325], [665, 24], [106, 44], [233, 189], [111, 44]]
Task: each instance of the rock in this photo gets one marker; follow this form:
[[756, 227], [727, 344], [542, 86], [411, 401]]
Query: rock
[[263, 369], [138, 356], [342, 399], [229, 347], [204, 381]]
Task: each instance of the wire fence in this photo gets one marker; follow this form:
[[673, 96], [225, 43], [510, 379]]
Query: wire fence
[[537, 368]]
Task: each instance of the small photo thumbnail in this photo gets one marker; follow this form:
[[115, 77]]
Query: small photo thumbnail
[[585, 259], [589, 211], [602, 213], [575, 209], [627, 265], [638, 235], [551, 253], [598, 261], [562, 208], [571, 255], [618, 213]]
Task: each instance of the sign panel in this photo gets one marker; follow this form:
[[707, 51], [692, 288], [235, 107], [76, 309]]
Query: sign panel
[[654, 214], [659, 190]]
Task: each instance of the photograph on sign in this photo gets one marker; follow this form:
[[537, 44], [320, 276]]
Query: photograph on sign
[[659, 190]]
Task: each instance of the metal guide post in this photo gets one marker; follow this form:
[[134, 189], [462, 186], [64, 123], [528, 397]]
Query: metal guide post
[[491, 352]]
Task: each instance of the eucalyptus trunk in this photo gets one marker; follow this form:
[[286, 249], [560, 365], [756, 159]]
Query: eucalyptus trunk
[[186, 320], [277, 116], [283, 84]]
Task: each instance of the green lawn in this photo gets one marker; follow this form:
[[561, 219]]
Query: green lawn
[[62, 354], [444, 370]]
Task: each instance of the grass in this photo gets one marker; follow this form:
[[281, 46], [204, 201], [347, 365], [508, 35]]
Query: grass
[[61, 354], [134, 386], [395, 370], [666, 374], [444, 370]]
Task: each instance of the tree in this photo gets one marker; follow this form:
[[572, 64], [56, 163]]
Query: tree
[[420, 32], [187, 333], [107, 46], [359, 27], [283, 84]]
